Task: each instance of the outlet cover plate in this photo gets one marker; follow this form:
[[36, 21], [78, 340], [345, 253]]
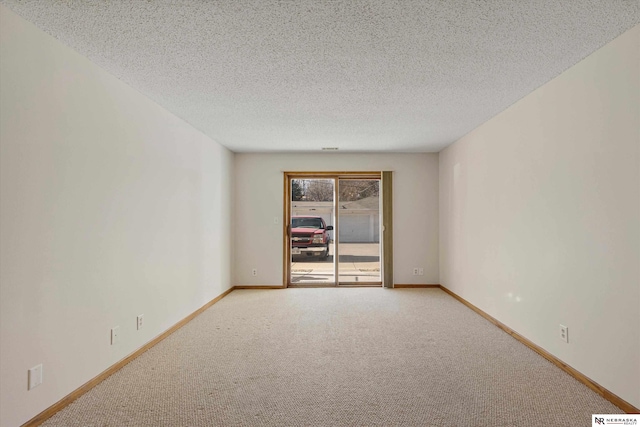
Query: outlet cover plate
[[564, 333], [35, 377], [115, 335], [140, 321]]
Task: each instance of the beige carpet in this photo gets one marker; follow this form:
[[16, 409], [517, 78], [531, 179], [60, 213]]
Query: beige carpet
[[330, 357]]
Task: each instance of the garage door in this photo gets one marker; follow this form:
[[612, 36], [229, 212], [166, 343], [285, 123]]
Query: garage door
[[355, 229]]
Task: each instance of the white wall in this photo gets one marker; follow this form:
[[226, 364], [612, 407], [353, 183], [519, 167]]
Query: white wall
[[109, 207], [259, 199], [540, 214]]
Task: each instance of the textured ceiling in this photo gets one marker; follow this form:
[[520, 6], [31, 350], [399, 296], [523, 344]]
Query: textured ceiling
[[385, 75]]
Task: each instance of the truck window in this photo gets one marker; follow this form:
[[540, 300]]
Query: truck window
[[306, 223]]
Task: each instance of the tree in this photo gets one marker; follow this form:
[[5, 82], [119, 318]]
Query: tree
[[321, 190], [318, 190], [297, 191], [358, 189]]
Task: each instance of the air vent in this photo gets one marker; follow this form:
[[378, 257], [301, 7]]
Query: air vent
[[329, 148]]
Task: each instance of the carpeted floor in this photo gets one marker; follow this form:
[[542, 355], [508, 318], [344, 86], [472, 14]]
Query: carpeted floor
[[337, 357]]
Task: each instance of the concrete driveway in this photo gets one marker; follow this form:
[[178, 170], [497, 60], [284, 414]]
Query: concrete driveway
[[359, 262]]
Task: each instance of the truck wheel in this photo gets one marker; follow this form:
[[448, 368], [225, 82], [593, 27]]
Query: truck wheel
[[325, 254]]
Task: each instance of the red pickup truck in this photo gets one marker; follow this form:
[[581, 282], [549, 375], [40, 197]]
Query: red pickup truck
[[310, 236]]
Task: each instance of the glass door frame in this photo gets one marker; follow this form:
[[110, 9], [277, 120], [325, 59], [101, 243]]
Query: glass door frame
[[336, 176]]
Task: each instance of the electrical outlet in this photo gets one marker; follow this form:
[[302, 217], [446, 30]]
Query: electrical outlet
[[421, 271], [115, 335], [35, 377], [140, 321], [415, 271], [564, 333], [254, 272]]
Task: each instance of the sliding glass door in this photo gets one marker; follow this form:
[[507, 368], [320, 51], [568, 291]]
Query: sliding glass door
[[333, 233], [358, 231], [311, 231]]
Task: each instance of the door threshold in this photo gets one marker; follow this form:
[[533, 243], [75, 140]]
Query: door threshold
[[315, 285]]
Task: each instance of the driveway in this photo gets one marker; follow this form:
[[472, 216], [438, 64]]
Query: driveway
[[359, 262]]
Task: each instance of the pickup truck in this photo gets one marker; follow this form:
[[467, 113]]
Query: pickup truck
[[310, 236]]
